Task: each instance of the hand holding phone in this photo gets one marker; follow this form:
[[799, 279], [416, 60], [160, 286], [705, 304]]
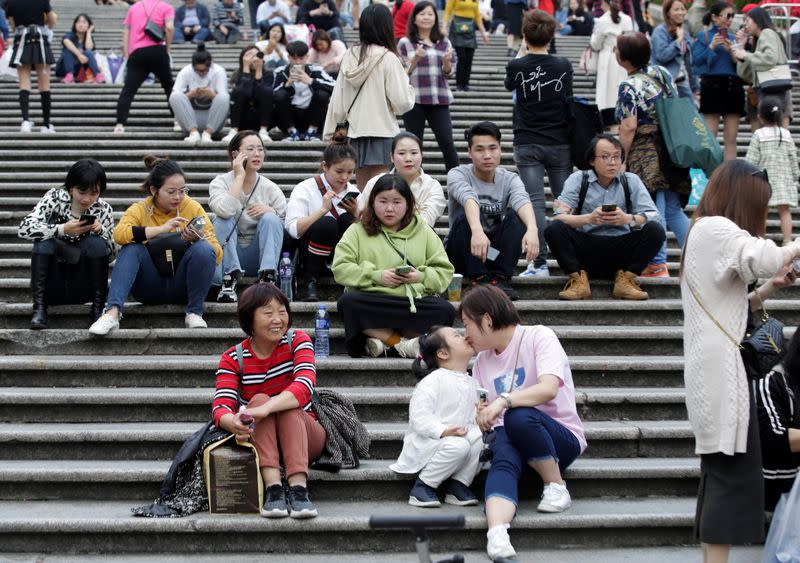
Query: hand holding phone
[[88, 219], [349, 196], [609, 208], [402, 270]]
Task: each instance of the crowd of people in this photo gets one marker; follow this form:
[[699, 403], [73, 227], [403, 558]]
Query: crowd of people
[[375, 237]]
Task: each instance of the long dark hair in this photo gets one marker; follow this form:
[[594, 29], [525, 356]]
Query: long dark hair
[[614, 8], [239, 71], [716, 9], [761, 18], [79, 16], [386, 183], [429, 345], [376, 27], [413, 33]]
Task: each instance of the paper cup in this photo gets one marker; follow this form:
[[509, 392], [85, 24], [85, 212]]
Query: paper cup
[[454, 289]]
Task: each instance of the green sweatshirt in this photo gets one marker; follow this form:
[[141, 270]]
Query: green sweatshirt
[[359, 260]]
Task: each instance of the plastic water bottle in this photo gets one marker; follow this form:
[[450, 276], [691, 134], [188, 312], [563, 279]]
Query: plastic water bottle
[[285, 273], [322, 347]]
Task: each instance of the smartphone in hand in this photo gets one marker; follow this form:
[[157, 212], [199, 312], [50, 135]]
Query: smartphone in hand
[[88, 219], [402, 270], [608, 208]]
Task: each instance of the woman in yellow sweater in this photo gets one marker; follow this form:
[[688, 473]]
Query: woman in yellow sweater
[[193, 258], [460, 18]]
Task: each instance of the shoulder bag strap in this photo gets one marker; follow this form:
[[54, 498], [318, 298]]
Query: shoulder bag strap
[[239, 216], [582, 194], [323, 191]]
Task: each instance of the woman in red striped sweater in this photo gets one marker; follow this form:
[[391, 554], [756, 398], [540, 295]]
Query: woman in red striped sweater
[[277, 382]]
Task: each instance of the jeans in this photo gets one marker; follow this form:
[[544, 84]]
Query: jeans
[[528, 435], [532, 161], [438, 118], [135, 272], [685, 91], [179, 37], [507, 239], [142, 62], [262, 254], [669, 207], [73, 65]]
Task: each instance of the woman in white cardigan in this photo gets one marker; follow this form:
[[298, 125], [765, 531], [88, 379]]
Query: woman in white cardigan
[[725, 254], [607, 28]]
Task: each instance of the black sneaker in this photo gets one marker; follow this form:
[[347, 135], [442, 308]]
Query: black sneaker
[[275, 505], [299, 503], [310, 291], [266, 276], [505, 285], [456, 492], [423, 495], [228, 292]]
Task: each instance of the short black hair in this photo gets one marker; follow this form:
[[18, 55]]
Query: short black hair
[[257, 296], [492, 301], [592, 148], [86, 175], [482, 128], [297, 49]]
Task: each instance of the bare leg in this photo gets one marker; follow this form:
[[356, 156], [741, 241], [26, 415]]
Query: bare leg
[[548, 470], [43, 76], [24, 74], [715, 553], [271, 476], [297, 480], [731, 129], [364, 174], [381, 334], [499, 511], [786, 223]]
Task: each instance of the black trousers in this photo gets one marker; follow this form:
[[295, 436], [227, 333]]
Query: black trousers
[[319, 242], [142, 62], [603, 256], [70, 283], [252, 108], [464, 65], [438, 118], [507, 239], [289, 116]]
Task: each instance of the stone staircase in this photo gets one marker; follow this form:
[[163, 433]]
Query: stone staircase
[[88, 426]]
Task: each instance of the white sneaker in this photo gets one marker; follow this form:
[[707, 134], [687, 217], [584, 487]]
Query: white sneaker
[[49, 130], [105, 324], [26, 127], [194, 137], [228, 292], [176, 127], [264, 135], [408, 347], [555, 498], [119, 129], [206, 138], [498, 543], [229, 137], [193, 320], [375, 348], [536, 271]]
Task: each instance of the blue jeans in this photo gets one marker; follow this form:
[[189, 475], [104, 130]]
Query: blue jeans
[[532, 161], [669, 207], [527, 435], [262, 254], [73, 65], [135, 272], [201, 35]]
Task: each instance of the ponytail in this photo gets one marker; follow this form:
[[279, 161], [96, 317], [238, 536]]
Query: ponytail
[[429, 345], [615, 9]]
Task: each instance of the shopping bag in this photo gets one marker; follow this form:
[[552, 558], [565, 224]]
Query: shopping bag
[[687, 138], [5, 65], [699, 183], [116, 64], [298, 32], [233, 478], [783, 541]]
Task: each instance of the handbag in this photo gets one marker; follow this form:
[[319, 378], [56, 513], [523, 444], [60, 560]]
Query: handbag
[[342, 129], [588, 62], [462, 32], [776, 80], [166, 251], [152, 29]]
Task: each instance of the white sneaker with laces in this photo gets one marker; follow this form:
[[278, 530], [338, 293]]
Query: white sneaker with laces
[[536, 271], [206, 137], [105, 324], [229, 137], [49, 130], [264, 135], [375, 348], [408, 347], [26, 127], [193, 320], [194, 137], [498, 543], [555, 498], [176, 127]]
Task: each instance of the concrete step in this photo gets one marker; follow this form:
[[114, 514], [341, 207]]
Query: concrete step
[[371, 482], [82, 371], [374, 404], [161, 440]]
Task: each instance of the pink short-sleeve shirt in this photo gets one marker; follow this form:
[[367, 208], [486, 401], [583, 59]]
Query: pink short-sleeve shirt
[[158, 10], [540, 352]]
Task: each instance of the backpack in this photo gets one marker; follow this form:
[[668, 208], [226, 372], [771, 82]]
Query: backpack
[[585, 188]]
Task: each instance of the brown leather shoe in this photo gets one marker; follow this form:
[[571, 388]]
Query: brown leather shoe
[[626, 287], [577, 287]]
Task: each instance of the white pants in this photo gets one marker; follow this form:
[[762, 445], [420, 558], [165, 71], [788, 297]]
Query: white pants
[[190, 118], [455, 458]]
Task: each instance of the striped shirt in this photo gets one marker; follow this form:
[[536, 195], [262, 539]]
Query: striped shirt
[[428, 79], [281, 371], [222, 15]]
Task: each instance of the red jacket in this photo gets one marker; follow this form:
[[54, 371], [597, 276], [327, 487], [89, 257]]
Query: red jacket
[[401, 18]]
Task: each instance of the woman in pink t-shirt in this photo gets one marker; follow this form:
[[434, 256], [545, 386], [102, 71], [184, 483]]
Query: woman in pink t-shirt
[[531, 417]]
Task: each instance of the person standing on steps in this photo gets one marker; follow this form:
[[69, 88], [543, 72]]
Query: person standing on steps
[[607, 28], [672, 48], [491, 217], [542, 85], [72, 228], [461, 17], [191, 254], [604, 225], [32, 21], [145, 52], [430, 60], [530, 418]]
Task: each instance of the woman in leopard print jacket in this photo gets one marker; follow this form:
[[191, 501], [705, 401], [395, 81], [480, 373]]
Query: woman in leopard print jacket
[[69, 263]]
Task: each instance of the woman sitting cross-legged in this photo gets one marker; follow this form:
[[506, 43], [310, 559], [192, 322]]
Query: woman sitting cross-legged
[[182, 264], [279, 376], [249, 212], [393, 266], [531, 412], [72, 228]]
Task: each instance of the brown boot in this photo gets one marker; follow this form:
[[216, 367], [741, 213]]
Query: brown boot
[[626, 287], [577, 287]]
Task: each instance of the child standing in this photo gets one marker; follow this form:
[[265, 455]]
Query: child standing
[[772, 148], [442, 442]]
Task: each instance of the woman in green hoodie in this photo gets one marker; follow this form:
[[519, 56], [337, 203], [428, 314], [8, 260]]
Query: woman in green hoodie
[[393, 266]]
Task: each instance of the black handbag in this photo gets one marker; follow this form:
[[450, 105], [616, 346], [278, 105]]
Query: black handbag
[[166, 251], [152, 29]]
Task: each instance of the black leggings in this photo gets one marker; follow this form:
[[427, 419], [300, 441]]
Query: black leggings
[[251, 107], [438, 118], [289, 116], [142, 62], [464, 65]]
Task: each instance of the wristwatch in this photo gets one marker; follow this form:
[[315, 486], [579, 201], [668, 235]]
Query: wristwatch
[[507, 398], [633, 224]]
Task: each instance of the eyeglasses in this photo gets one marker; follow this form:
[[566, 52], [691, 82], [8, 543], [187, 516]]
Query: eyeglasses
[[181, 191], [611, 158]]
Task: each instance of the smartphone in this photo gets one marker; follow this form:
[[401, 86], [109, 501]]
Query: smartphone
[[483, 395], [88, 219], [197, 223], [402, 270], [348, 196], [609, 207], [492, 254]]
